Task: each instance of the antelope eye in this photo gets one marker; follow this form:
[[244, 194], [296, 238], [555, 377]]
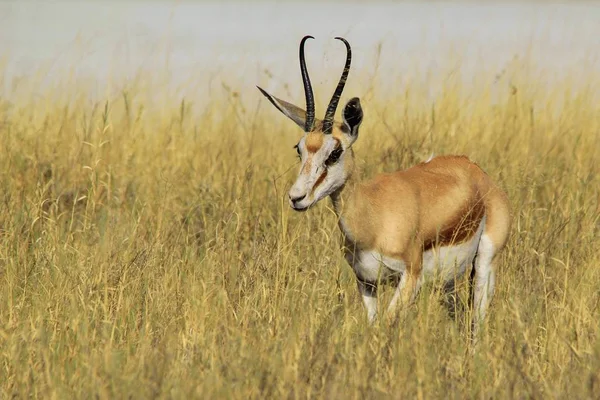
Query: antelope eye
[[334, 156], [298, 151]]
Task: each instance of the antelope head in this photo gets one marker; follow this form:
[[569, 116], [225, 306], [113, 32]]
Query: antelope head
[[325, 148]]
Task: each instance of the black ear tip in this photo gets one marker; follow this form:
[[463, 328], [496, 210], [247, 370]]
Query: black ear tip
[[354, 102], [353, 113], [353, 105]]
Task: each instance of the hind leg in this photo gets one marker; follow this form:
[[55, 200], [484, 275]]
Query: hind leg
[[451, 294], [483, 282], [449, 300]]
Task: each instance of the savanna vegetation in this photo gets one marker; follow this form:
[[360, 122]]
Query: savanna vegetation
[[147, 248]]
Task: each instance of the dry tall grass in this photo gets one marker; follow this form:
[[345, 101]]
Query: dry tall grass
[[149, 251]]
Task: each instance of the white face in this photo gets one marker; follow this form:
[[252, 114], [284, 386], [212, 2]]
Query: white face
[[322, 170]]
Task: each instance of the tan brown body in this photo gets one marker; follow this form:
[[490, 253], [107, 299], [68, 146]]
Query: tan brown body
[[441, 216], [439, 202], [393, 221]]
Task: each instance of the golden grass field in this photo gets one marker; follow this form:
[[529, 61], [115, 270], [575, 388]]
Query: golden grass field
[[147, 248]]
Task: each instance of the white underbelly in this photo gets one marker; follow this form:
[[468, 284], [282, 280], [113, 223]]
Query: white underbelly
[[371, 266], [448, 262], [443, 262]]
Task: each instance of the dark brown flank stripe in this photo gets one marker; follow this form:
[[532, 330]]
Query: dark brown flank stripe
[[461, 229]]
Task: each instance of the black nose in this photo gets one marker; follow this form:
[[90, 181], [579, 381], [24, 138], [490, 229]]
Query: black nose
[[297, 199]]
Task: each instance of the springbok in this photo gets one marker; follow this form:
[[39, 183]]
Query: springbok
[[434, 219]]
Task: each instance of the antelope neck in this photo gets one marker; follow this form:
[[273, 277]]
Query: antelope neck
[[344, 198]]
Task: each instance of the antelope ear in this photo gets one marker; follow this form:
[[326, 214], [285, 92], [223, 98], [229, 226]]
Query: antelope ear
[[352, 116], [294, 113]]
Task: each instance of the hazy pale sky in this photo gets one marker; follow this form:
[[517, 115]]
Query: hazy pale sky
[[200, 39]]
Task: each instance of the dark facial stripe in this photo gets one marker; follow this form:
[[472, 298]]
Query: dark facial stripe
[[319, 181]]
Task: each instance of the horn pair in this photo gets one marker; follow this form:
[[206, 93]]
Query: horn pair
[[335, 99]]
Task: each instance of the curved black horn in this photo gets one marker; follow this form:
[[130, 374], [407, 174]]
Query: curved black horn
[[310, 99], [335, 99]]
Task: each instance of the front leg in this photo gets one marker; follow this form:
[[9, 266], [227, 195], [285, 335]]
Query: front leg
[[409, 284], [368, 292], [406, 291]]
